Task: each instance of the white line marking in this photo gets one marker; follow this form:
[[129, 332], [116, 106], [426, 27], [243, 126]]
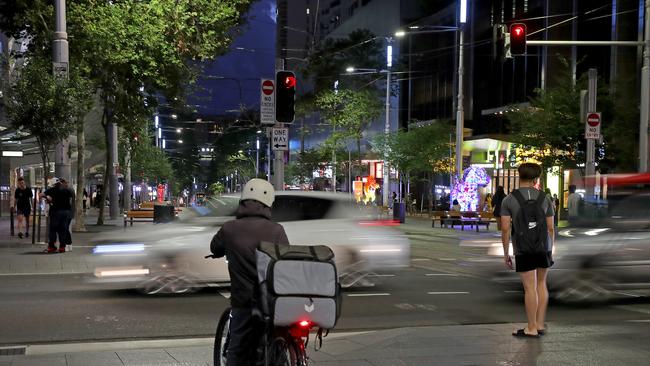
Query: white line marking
[[442, 274], [446, 259], [365, 295], [44, 273], [632, 308], [381, 275], [420, 259], [448, 293], [225, 294]]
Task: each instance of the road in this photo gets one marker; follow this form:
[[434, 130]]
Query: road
[[442, 287]]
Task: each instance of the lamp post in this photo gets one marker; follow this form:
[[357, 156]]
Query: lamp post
[[389, 64]]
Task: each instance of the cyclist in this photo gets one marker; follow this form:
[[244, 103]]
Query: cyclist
[[237, 240]]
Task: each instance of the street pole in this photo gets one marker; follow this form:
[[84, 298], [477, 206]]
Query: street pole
[[113, 189], [460, 110], [590, 166], [386, 173], [257, 158], [278, 164], [60, 61], [645, 94]]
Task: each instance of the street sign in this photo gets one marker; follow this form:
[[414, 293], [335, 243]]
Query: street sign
[[592, 127], [267, 102], [280, 139], [60, 70]]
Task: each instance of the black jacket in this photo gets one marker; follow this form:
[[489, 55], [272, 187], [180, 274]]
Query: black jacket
[[238, 239]]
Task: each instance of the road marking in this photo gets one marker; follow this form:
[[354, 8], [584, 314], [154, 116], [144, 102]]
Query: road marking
[[365, 295], [420, 259], [446, 259], [448, 293], [225, 294], [381, 275], [44, 273], [632, 308], [513, 292], [639, 321], [441, 274]]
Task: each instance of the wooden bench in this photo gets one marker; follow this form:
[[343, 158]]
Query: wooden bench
[[437, 215], [472, 218], [144, 213]]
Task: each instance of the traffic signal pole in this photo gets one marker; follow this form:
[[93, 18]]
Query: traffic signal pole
[[60, 60], [645, 94]]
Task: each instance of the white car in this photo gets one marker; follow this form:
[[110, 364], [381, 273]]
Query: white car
[[170, 258]]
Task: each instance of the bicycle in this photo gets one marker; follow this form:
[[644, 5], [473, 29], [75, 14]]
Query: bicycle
[[280, 346]]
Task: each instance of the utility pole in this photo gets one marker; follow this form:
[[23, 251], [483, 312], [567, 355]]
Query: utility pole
[[113, 193], [460, 113], [278, 163], [590, 166], [645, 94], [60, 63], [386, 171]]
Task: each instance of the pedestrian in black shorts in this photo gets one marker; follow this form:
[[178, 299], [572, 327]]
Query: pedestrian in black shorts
[[23, 201], [527, 214]]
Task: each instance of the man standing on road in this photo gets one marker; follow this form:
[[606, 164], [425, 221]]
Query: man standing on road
[[61, 200], [23, 201], [528, 213]]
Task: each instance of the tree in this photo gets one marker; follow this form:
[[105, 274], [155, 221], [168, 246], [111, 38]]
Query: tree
[[133, 49], [300, 171], [421, 150], [46, 107], [216, 188]]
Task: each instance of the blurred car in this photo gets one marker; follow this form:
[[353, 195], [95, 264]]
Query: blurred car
[[169, 258], [609, 258]]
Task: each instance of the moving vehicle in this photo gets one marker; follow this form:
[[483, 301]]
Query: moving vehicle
[[169, 258]]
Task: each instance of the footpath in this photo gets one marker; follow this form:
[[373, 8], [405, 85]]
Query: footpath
[[625, 343]]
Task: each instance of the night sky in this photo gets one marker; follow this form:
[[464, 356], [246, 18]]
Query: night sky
[[251, 57]]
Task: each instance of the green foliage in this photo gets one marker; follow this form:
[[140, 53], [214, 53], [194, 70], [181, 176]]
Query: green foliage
[[419, 150], [228, 145], [149, 163], [300, 171], [216, 188]]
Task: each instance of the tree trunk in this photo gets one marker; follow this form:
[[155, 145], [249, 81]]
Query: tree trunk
[[127, 180], [104, 190], [79, 214], [429, 190]]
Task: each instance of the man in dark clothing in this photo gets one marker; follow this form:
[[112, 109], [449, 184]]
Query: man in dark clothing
[[61, 200], [532, 261], [23, 201], [237, 240]]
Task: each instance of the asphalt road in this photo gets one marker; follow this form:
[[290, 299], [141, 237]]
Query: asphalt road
[[443, 286]]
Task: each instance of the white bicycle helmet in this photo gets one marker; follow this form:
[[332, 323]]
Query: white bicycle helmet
[[258, 190]]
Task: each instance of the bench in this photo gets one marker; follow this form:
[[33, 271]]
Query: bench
[[144, 213], [471, 218]]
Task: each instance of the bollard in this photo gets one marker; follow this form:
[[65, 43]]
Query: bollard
[[11, 221], [34, 216]]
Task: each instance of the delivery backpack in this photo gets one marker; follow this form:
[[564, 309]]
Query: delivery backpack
[[298, 283]]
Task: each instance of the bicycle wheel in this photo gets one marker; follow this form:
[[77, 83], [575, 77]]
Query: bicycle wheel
[[221, 339], [282, 353]]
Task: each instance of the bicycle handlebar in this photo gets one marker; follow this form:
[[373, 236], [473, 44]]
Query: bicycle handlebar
[[210, 256]]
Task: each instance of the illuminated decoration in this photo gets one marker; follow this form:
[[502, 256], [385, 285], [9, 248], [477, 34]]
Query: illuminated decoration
[[161, 192], [369, 190], [357, 188], [466, 190]]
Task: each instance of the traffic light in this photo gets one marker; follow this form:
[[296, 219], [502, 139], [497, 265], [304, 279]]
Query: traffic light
[[518, 39], [285, 84]]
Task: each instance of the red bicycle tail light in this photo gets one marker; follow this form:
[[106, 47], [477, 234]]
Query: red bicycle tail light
[[304, 323]]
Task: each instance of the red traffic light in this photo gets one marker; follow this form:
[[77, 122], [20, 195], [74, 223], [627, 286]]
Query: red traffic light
[[290, 82], [518, 39]]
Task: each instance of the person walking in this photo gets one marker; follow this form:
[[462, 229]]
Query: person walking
[[499, 195], [573, 204], [527, 214], [23, 205], [61, 200]]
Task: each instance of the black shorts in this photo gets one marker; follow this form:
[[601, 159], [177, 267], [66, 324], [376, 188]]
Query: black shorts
[[25, 211], [529, 262]]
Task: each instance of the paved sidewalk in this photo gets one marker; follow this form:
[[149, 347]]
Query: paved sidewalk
[[490, 344]]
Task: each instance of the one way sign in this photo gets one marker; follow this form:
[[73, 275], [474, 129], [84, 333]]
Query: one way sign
[[280, 139]]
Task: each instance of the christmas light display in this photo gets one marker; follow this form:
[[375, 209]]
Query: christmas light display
[[465, 191]]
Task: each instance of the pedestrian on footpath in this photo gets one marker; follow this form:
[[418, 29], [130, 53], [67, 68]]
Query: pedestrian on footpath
[[573, 204], [68, 223], [23, 201], [61, 200], [497, 200], [528, 214]]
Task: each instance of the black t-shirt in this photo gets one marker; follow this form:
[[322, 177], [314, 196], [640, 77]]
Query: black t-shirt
[[61, 198], [23, 198]]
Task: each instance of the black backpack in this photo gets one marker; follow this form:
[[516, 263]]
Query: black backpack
[[529, 229]]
